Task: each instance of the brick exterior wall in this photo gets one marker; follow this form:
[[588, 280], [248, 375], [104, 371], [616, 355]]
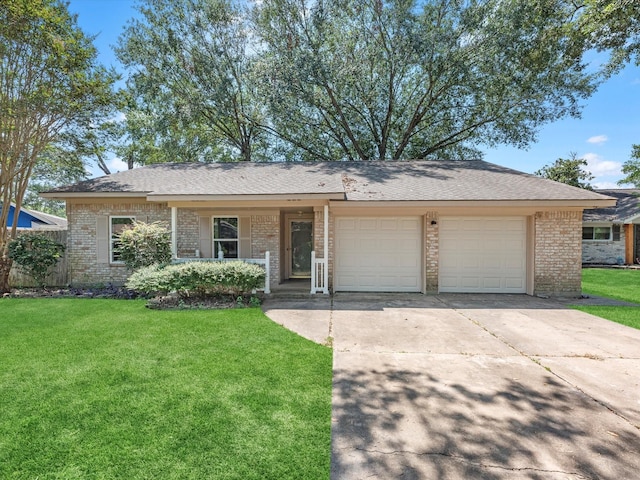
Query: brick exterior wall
[[84, 268], [604, 252], [557, 244], [265, 236], [188, 229], [431, 252], [558, 262]]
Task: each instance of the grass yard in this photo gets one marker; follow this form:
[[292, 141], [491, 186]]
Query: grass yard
[[109, 389], [617, 284]]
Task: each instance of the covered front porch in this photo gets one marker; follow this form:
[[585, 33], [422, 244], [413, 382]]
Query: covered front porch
[[290, 242]]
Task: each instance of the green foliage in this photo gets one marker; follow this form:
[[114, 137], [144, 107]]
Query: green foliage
[[631, 168], [145, 244], [568, 170], [36, 254], [56, 166], [613, 27], [612, 283], [107, 389], [52, 93], [623, 285], [353, 79], [189, 93], [416, 80], [624, 315], [198, 279]]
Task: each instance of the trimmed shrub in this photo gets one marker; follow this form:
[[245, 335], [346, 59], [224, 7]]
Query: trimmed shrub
[[144, 244], [198, 279], [36, 254]]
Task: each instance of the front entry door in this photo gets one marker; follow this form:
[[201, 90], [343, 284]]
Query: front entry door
[[300, 247]]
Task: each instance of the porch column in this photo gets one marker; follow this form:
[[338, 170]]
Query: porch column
[[174, 232], [326, 249]]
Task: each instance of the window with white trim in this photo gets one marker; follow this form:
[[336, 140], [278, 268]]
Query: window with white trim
[[225, 237], [596, 233], [116, 226]]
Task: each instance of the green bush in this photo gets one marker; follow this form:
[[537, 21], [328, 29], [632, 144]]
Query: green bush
[[198, 279], [145, 244], [36, 254]]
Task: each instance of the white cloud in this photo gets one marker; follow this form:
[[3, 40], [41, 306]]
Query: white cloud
[[598, 139], [117, 165], [599, 167]]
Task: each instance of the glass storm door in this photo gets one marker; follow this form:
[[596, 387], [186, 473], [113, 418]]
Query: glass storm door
[[301, 247]]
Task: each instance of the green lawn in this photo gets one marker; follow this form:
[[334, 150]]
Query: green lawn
[[106, 389], [617, 284]]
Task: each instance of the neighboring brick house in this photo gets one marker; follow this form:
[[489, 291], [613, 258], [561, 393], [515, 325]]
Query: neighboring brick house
[[414, 226], [611, 235]]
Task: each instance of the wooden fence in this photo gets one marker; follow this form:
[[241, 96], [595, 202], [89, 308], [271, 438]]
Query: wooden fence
[[58, 276]]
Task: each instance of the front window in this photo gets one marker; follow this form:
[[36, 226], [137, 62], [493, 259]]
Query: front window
[[116, 226], [225, 237], [596, 233]]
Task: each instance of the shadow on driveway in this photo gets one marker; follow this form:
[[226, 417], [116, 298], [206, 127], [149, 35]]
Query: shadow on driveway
[[454, 389]]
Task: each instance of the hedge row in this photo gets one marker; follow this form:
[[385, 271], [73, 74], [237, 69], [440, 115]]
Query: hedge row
[[198, 279]]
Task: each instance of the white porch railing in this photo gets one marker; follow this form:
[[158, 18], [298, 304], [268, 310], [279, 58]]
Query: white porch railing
[[258, 261], [318, 275]]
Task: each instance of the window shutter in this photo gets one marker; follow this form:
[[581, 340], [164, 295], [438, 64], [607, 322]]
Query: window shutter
[[102, 239], [245, 238], [615, 230], [205, 237]]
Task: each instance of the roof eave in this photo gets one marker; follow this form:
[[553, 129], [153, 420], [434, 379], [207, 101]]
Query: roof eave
[[65, 195], [584, 204], [245, 198]]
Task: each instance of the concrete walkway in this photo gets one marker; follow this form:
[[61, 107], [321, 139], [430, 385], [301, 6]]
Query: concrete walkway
[[475, 386]]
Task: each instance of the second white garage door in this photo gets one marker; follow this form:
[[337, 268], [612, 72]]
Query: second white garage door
[[378, 254], [483, 254]]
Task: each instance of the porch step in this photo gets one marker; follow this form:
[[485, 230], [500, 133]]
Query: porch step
[[294, 294]]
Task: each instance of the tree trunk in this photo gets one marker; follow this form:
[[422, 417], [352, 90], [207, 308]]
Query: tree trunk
[[5, 268]]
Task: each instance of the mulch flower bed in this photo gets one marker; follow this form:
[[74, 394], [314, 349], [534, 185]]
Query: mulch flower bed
[[157, 303]]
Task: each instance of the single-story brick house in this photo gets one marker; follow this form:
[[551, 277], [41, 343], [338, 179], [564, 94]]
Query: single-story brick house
[[611, 235], [413, 226]]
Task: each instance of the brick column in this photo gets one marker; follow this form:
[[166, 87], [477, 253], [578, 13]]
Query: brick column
[[431, 251], [558, 253]]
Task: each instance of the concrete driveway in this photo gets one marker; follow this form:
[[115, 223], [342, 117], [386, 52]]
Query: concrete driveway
[[476, 386]]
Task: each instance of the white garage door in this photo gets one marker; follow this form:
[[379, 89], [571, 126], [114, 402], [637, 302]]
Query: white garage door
[[378, 254], [483, 254]]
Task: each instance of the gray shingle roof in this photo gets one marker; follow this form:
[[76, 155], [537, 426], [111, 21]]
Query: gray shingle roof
[[360, 181], [627, 206]]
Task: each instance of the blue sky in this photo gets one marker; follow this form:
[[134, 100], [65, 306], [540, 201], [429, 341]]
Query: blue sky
[[610, 121]]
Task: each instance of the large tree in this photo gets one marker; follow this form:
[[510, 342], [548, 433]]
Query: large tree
[[631, 168], [50, 87], [570, 170], [612, 27], [366, 79], [361, 79], [190, 93]]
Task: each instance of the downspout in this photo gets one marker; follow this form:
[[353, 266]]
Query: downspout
[[174, 232]]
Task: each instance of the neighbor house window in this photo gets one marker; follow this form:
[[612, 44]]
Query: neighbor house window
[[596, 233], [225, 237], [116, 226]]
